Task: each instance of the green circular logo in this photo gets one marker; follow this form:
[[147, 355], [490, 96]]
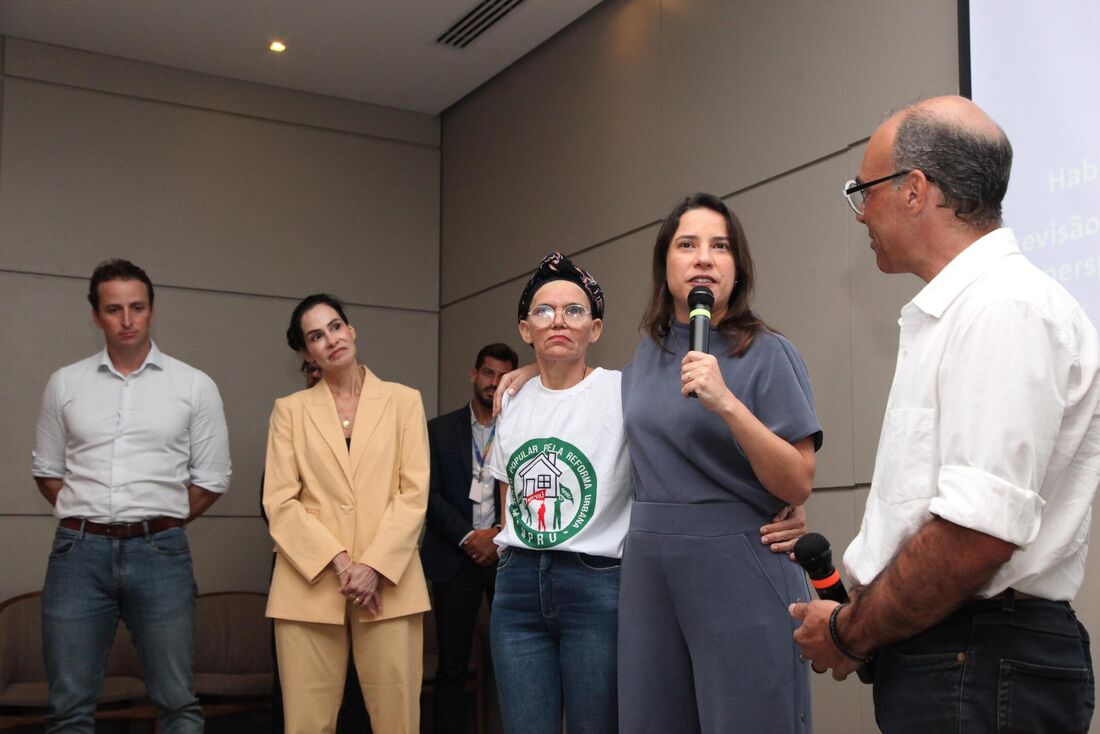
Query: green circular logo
[[552, 493]]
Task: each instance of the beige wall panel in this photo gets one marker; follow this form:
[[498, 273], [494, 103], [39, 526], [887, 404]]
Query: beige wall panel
[[796, 228], [25, 544], [895, 52], [831, 512], [116, 75], [467, 326], [862, 492], [876, 301], [238, 340], [47, 324], [557, 152], [748, 90], [230, 554], [214, 201], [841, 708]]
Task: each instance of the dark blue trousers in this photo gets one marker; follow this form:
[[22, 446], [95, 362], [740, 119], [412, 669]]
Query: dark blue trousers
[[1006, 666]]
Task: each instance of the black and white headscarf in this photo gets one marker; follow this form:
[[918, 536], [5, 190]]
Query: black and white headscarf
[[557, 266]]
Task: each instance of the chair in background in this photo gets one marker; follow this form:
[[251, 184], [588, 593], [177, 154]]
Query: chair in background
[[233, 666], [23, 686]]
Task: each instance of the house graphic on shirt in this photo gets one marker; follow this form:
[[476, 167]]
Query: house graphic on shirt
[[552, 495], [540, 477]]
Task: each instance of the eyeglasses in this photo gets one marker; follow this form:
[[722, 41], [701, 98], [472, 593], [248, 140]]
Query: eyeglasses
[[856, 193], [542, 316]]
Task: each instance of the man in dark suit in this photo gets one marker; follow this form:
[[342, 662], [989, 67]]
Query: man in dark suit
[[458, 552]]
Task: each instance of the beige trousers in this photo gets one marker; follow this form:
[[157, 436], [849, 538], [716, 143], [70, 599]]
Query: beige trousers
[[313, 662]]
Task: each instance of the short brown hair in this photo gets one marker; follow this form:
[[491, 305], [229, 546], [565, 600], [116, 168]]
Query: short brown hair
[[116, 269]]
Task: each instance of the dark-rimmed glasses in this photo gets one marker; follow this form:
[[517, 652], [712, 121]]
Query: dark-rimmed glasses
[[856, 193]]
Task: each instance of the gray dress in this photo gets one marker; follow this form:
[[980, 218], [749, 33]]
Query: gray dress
[[705, 640]]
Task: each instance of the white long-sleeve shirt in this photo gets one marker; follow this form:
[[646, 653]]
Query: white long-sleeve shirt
[[128, 447]]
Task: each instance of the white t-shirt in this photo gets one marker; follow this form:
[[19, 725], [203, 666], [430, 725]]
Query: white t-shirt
[[563, 455]]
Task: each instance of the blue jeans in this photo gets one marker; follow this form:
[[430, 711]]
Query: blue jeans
[[1005, 666], [554, 632], [91, 581]]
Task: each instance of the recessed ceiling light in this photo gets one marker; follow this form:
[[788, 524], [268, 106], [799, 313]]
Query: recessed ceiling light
[[277, 46]]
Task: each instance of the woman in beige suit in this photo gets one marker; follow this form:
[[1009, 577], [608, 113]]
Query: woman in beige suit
[[346, 490]]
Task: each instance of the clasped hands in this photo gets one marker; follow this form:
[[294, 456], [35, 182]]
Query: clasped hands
[[479, 546], [359, 583]]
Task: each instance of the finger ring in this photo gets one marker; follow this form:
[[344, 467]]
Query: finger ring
[[688, 375], [814, 669]]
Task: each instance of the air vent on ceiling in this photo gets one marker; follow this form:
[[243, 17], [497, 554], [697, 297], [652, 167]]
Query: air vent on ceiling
[[481, 18]]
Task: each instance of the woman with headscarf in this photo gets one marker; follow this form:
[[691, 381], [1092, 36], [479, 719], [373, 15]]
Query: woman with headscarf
[[561, 451], [346, 490]]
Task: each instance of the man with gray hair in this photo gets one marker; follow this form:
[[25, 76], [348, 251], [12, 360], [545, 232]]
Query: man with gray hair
[[974, 538]]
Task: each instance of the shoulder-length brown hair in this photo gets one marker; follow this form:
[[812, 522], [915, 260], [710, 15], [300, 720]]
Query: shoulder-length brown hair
[[740, 324]]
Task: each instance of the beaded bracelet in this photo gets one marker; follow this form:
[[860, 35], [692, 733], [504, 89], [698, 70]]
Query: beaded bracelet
[[833, 633]]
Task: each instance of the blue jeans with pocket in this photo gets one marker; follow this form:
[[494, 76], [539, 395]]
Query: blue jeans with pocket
[[1007, 666], [91, 582], [554, 631]]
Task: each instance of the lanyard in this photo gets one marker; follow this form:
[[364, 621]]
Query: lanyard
[[482, 455]]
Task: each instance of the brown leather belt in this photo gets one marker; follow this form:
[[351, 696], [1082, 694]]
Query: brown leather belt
[[1010, 594], [123, 530]]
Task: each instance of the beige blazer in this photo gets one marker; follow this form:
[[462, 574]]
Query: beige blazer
[[321, 499]]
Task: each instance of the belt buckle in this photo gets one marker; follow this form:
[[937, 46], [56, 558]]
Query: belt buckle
[[118, 530]]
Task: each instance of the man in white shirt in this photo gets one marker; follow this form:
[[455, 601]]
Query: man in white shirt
[[974, 538], [130, 445], [458, 552]]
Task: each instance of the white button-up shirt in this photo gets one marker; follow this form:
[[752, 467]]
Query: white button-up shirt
[[991, 422], [482, 490], [127, 447]]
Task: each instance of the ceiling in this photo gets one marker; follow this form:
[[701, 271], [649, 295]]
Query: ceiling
[[379, 51]]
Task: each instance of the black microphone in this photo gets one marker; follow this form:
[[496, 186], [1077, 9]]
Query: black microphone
[[814, 554], [700, 301]]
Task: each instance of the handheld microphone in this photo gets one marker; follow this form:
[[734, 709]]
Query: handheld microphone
[[700, 301], [814, 554]]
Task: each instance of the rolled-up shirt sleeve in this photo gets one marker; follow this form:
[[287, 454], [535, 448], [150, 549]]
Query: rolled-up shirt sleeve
[[1002, 398], [210, 465], [48, 455]]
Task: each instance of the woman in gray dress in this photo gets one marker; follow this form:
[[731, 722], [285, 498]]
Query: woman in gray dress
[[705, 640]]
